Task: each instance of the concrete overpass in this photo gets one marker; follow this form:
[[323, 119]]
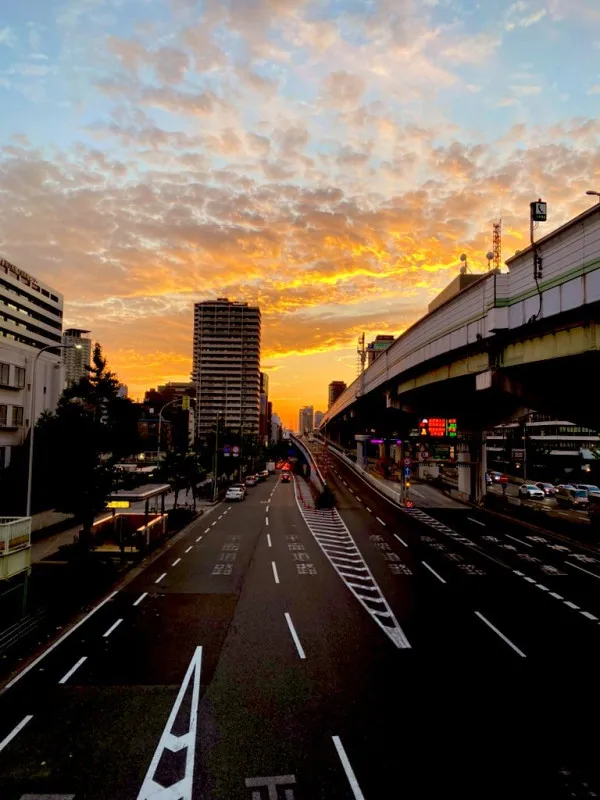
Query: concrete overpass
[[508, 341]]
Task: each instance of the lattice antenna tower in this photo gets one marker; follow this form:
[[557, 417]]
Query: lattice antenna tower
[[497, 244]]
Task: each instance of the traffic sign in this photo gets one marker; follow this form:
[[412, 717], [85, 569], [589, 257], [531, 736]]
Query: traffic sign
[[235, 450], [406, 472], [407, 462], [226, 450], [538, 211], [425, 455]]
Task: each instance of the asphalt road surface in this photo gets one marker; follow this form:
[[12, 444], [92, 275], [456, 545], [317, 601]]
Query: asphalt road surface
[[275, 652]]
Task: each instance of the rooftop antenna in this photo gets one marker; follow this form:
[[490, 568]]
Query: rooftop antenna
[[490, 258], [465, 264]]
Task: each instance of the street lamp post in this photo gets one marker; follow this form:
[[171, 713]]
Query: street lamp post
[[216, 464], [32, 414], [592, 193], [170, 403]]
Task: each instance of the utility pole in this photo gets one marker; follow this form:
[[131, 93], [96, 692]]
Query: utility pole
[[497, 244], [362, 357], [216, 460]]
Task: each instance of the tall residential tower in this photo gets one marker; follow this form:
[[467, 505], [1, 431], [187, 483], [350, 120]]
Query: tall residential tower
[[226, 367]]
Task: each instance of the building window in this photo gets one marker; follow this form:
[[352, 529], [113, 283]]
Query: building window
[[4, 374], [17, 416], [3, 416], [20, 377]]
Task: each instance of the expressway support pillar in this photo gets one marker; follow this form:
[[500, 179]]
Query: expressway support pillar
[[464, 472], [361, 450]]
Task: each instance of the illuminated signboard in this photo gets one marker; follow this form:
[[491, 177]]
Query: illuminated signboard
[[118, 504], [436, 426]]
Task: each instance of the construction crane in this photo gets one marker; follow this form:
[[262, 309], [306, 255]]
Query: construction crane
[[497, 244]]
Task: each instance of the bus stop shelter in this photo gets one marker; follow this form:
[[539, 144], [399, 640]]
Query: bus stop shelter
[[125, 498]]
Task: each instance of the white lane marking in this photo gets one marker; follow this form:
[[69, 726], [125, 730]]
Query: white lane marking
[[299, 648], [520, 574], [175, 742], [528, 579], [571, 605], [275, 573], [15, 731], [266, 520], [500, 634], [593, 574], [207, 530], [177, 560], [267, 509], [214, 523], [556, 596], [220, 517], [476, 521], [158, 580], [36, 661], [417, 492], [73, 669], [368, 509], [400, 540], [358, 795], [542, 587], [198, 539], [344, 482], [433, 572], [589, 616], [112, 628], [508, 536], [140, 598], [189, 548], [381, 522], [269, 539]]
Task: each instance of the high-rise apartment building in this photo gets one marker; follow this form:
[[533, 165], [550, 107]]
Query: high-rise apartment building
[[378, 346], [30, 319], [264, 408], [78, 356], [305, 419], [226, 368], [319, 418], [336, 388]]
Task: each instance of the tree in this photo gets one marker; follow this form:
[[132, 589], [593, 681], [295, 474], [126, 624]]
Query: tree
[[78, 446]]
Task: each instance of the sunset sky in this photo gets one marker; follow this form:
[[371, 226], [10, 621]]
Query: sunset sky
[[329, 160]]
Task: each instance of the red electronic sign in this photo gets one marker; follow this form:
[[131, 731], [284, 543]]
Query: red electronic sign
[[437, 426]]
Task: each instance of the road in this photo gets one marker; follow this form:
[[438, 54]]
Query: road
[[278, 652]]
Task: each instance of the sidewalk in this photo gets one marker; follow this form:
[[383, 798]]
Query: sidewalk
[[423, 495]]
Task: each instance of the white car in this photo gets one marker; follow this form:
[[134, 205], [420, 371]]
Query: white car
[[531, 491], [235, 493]]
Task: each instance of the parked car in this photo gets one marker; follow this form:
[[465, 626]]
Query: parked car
[[241, 486], [590, 488], [569, 497], [264, 474], [286, 477], [547, 489], [531, 491], [235, 493], [251, 480], [560, 486], [495, 476]]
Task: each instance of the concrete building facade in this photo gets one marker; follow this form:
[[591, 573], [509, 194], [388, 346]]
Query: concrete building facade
[[336, 389], [31, 315], [306, 419], [78, 357], [226, 366]]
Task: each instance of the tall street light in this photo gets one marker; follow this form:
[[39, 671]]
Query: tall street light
[[32, 414], [160, 418], [593, 194]]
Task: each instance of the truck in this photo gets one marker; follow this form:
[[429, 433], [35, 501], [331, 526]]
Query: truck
[[270, 466]]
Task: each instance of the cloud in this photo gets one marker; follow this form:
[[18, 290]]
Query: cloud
[[343, 90], [526, 90], [7, 37]]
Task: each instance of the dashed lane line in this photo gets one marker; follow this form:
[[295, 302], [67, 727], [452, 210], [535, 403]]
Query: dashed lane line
[[189, 548], [159, 579], [500, 634], [266, 520], [400, 540], [508, 536], [140, 598], [275, 573], [17, 729], [198, 539], [356, 791], [73, 669], [476, 521], [581, 569], [380, 521], [299, 647], [113, 627], [269, 539], [433, 572], [177, 560]]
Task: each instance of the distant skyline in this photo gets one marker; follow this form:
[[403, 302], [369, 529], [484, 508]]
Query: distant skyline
[[328, 160]]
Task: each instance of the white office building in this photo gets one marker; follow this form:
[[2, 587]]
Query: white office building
[[226, 368], [78, 356], [31, 314]]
